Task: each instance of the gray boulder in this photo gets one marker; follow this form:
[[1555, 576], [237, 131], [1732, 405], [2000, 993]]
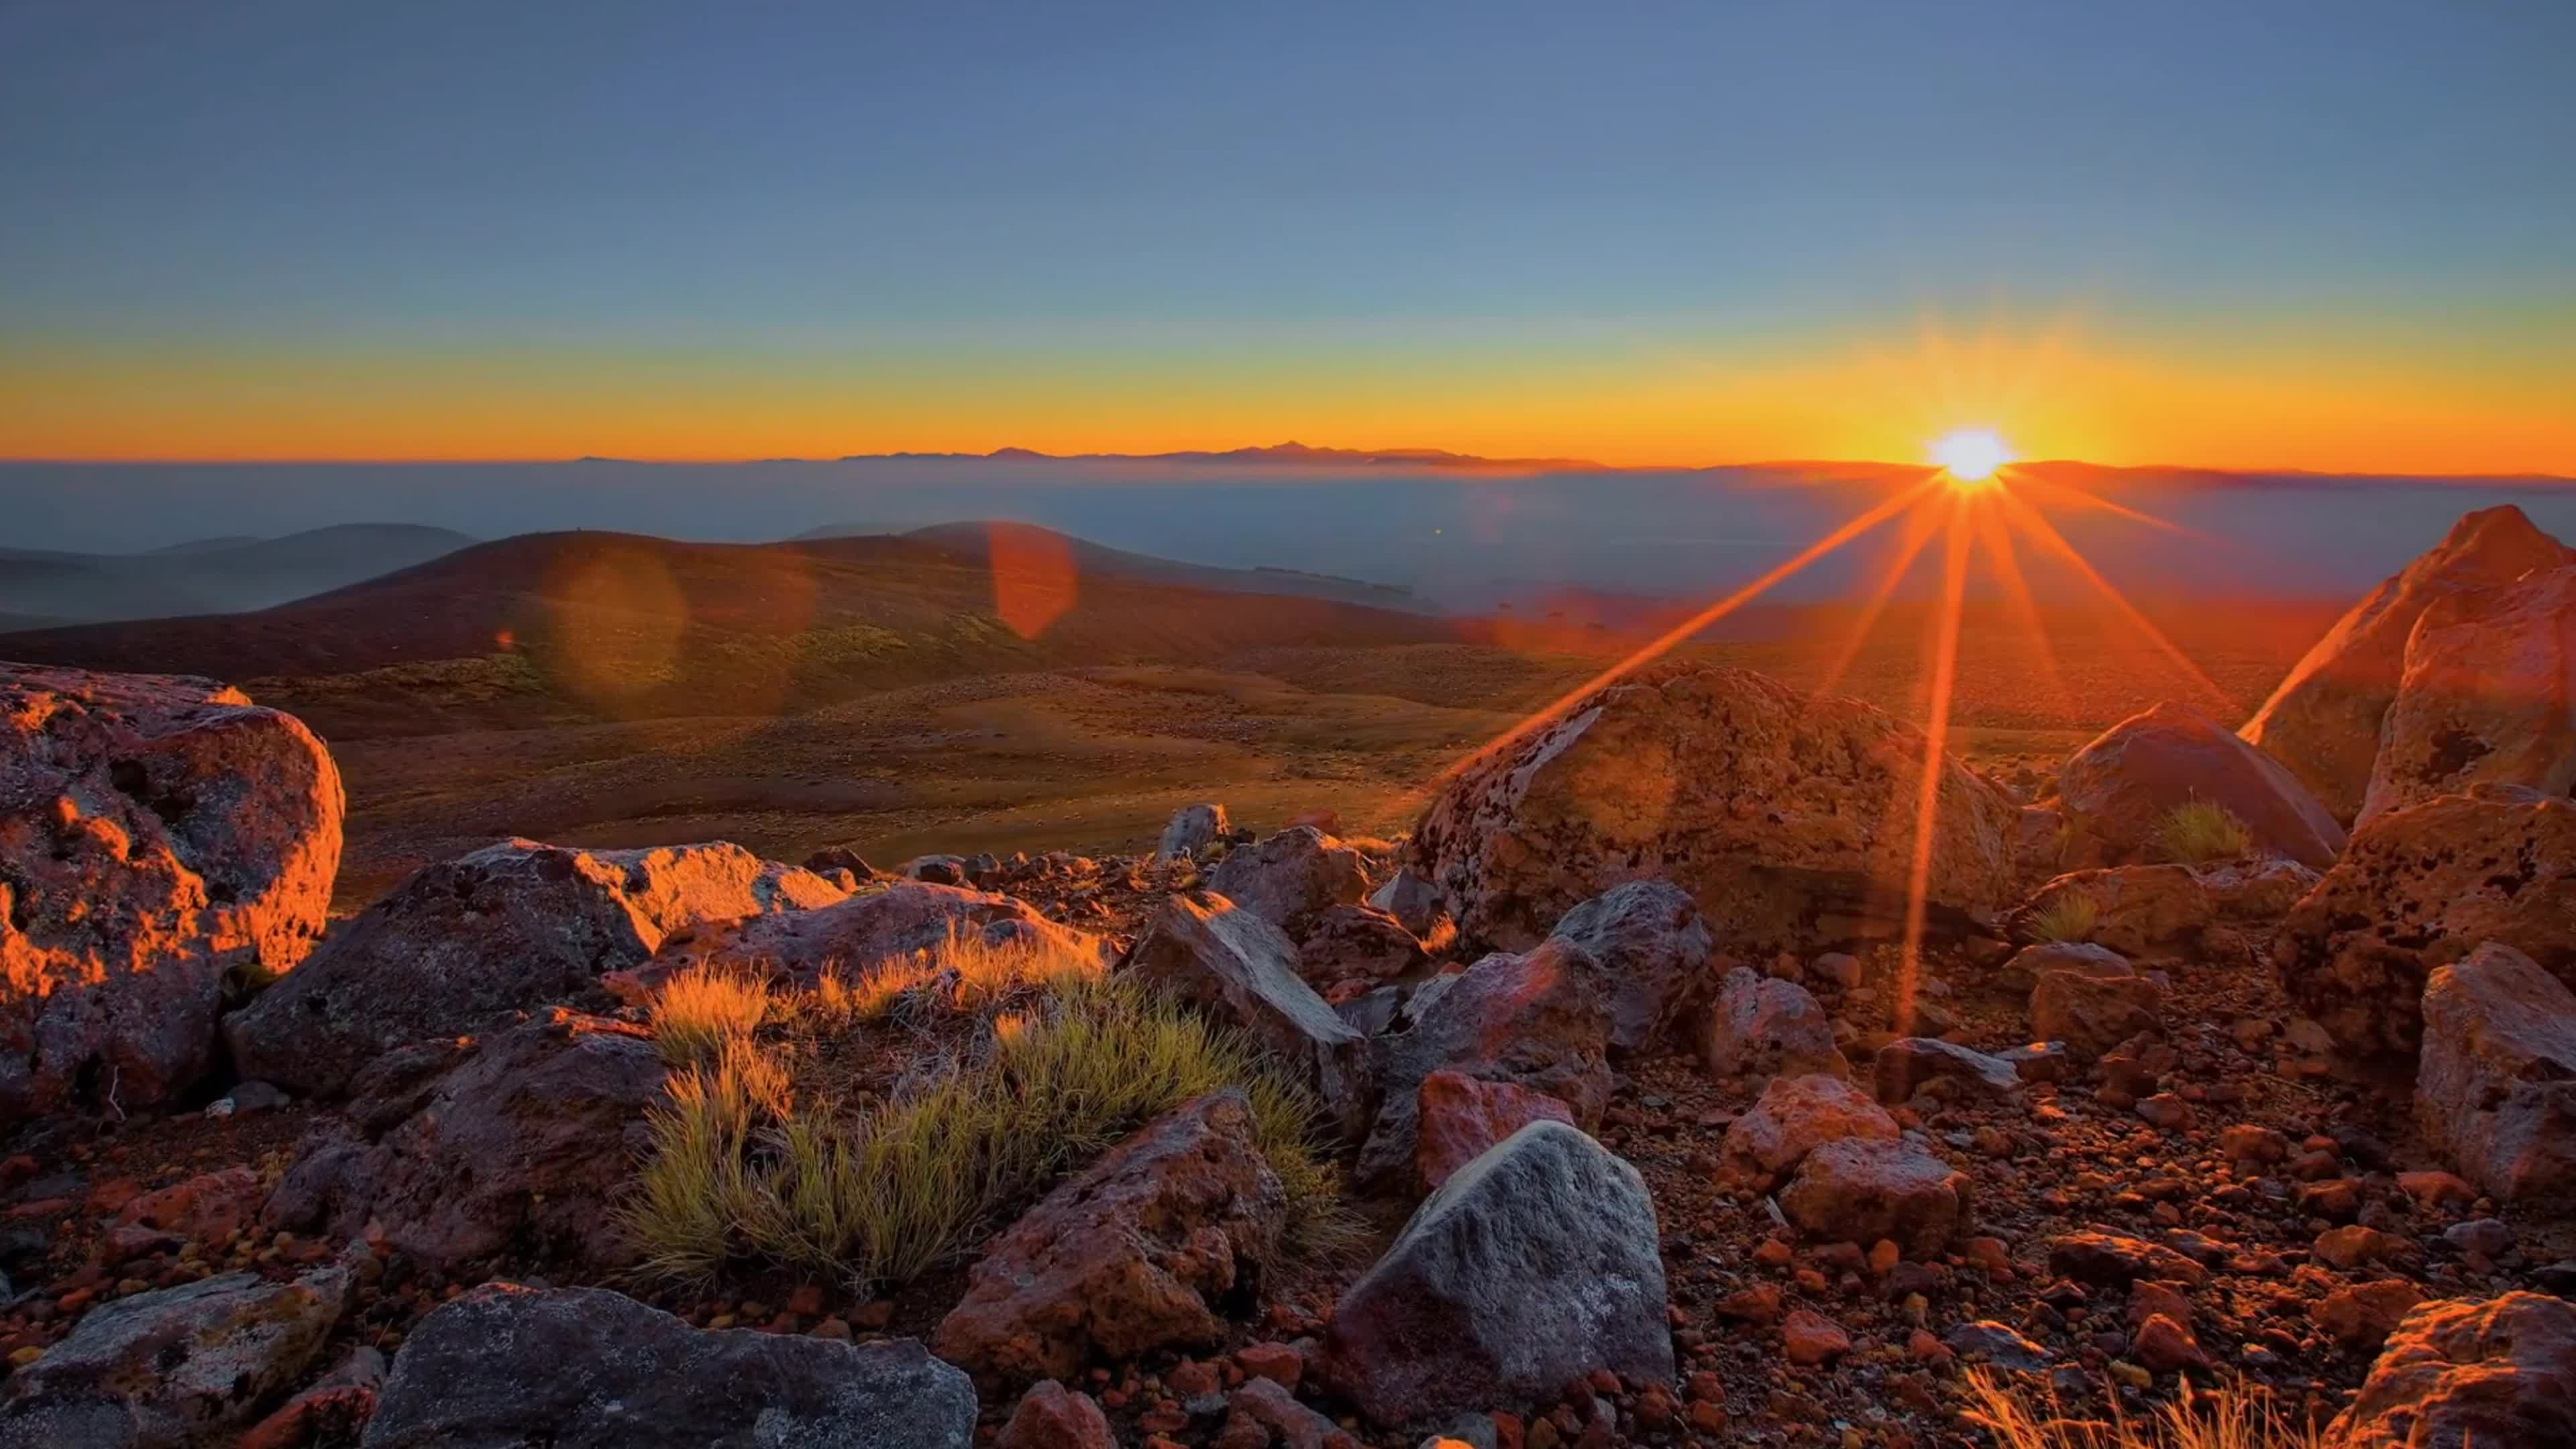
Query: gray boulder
[[1904, 1065], [506, 1367], [1193, 828], [1653, 951], [1240, 968], [1290, 877], [510, 927], [176, 1368], [2117, 791], [1532, 1267]]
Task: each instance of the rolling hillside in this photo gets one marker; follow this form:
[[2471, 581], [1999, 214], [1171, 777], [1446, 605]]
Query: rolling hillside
[[210, 576]]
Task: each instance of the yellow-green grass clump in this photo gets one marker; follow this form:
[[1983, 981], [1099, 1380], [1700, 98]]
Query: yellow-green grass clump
[[2232, 1416], [2073, 916], [2202, 832]]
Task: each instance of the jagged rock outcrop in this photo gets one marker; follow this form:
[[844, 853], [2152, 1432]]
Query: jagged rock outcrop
[[1417, 905], [2496, 1089], [160, 837], [2418, 889], [1224, 959], [1149, 1248], [510, 927], [1289, 878], [522, 1139], [1653, 951], [2489, 695], [1537, 1020], [186, 1367], [2500, 1374], [1789, 819], [504, 1367], [2323, 721], [2094, 1009], [1349, 948], [2117, 791], [1532, 1267], [907, 920]]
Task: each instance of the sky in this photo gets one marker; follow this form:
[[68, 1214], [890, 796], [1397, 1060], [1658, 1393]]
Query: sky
[[2321, 234]]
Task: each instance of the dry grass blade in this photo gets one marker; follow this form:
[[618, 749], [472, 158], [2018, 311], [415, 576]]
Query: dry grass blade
[[2232, 1416], [2202, 832], [696, 1013], [2073, 916]]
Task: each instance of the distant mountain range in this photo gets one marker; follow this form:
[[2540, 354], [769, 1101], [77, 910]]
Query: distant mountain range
[[1277, 455], [207, 576]]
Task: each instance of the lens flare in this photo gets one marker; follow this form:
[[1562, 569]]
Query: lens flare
[[1970, 455]]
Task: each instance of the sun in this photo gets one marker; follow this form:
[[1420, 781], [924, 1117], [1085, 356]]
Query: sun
[[1970, 455]]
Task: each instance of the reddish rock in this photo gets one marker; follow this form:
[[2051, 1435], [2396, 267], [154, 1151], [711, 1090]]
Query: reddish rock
[[2114, 1259], [204, 1209], [1280, 1363], [1351, 943], [1904, 1065], [515, 926], [1537, 1021], [1766, 805], [2361, 1316], [2419, 889], [160, 837], [1794, 1117], [1051, 1417], [524, 1139], [2094, 1013], [1763, 1026], [2494, 1375], [1462, 1117], [2165, 1346], [1808, 1339], [1140, 1252], [907, 921], [2117, 791], [2139, 909], [2324, 720], [1859, 1190], [2495, 1089]]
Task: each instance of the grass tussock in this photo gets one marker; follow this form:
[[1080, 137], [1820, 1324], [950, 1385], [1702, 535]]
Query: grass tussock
[[2233, 1416], [2202, 832], [698, 1013], [744, 1168], [2073, 916]]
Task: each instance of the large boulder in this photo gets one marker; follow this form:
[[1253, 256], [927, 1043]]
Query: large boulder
[[1205, 949], [186, 1367], [1760, 1026], [1862, 1189], [2499, 1374], [1653, 951], [507, 928], [161, 838], [2418, 889], [1788, 818], [2116, 792], [2489, 695], [1148, 1249], [2496, 1090], [2324, 720], [1533, 1267], [909, 920], [1290, 877], [1349, 948], [1417, 905], [1537, 1020], [1795, 1116], [504, 1367], [519, 1140]]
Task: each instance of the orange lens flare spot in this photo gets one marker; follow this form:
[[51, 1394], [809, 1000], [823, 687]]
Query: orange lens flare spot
[[1035, 580]]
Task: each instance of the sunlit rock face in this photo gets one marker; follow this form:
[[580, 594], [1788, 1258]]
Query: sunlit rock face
[[2324, 720], [157, 835], [1789, 818], [2419, 889], [2489, 695]]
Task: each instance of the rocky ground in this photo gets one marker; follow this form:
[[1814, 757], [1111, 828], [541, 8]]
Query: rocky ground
[[1651, 1129]]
